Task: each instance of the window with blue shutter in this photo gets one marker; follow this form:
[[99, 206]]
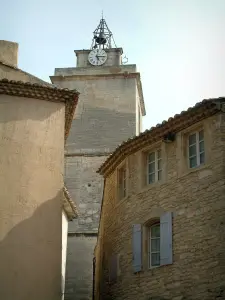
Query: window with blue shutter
[[137, 248], [166, 251]]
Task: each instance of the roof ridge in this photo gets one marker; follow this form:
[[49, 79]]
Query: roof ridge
[[38, 85], [26, 73]]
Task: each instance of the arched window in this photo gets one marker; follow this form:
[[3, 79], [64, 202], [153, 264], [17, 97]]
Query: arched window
[[154, 245]]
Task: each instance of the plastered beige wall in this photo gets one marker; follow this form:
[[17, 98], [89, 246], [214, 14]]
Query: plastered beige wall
[[9, 52], [64, 249], [31, 183], [11, 73]]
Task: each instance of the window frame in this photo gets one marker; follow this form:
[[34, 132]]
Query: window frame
[[150, 252], [197, 147], [156, 169]]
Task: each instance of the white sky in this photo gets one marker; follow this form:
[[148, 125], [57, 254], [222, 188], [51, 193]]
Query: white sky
[[178, 45]]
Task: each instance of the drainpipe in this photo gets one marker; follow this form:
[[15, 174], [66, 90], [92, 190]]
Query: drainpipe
[[93, 286]]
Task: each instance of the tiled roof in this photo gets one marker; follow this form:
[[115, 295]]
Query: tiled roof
[[69, 206], [174, 124], [43, 92]]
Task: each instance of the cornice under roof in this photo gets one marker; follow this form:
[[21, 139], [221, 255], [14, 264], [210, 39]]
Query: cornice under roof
[[192, 115], [43, 92]]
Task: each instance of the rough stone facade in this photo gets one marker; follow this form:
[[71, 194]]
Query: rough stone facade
[[107, 114], [196, 198]]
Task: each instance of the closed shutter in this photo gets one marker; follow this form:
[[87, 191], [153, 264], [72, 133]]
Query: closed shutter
[[166, 249], [137, 249], [113, 268]]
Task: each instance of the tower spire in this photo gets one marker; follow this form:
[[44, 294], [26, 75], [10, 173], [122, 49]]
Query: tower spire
[[103, 37]]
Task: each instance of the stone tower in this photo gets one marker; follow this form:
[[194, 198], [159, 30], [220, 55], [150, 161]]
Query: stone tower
[[110, 111]]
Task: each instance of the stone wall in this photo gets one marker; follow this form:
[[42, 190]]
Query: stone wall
[[196, 198], [79, 270], [105, 116], [31, 192], [86, 187]]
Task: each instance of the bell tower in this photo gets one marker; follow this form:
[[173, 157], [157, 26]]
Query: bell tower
[[109, 111]]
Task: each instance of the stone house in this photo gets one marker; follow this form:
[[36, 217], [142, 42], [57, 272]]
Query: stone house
[[35, 206], [161, 232]]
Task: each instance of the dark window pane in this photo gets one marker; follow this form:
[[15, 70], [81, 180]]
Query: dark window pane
[[193, 162], [155, 230], [201, 135], [201, 146], [155, 245], [151, 168], [151, 178], [159, 164], [155, 259], [192, 150], [192, 139], [202, 158], [151, 157]]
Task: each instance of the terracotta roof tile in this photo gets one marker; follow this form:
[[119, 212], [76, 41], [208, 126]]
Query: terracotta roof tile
[[199, 111], [69, 206], [43, 92]]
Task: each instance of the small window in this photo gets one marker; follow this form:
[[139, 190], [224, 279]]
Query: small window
[[196, 149], [154, 168], [122, 182], [154, 245]]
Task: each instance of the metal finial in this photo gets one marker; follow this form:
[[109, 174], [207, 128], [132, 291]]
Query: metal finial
[[102, 36]]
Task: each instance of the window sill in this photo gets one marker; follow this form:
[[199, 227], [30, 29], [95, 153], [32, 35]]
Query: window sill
[[194, 170], [153, 269], [151, 185]]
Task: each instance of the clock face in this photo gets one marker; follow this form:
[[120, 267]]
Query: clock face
[[97, 57]]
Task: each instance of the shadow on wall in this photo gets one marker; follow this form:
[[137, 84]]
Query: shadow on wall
[[21, 108], [30, 254]]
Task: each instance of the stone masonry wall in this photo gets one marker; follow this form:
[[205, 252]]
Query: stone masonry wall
[[105, 116], [86, 188], [79, 270], [197, 199]]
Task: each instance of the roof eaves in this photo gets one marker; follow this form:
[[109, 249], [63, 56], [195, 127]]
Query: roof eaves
[[47, 93], [179, 122], [69, 206]]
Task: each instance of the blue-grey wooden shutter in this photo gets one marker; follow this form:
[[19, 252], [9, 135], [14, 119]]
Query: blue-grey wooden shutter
[[113, 268], [137, 249], [166, 249]]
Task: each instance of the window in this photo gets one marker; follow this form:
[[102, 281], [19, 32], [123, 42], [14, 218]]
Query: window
[[154, 168], [156, 234], [154, 245], [196, 149], [122, 182]]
